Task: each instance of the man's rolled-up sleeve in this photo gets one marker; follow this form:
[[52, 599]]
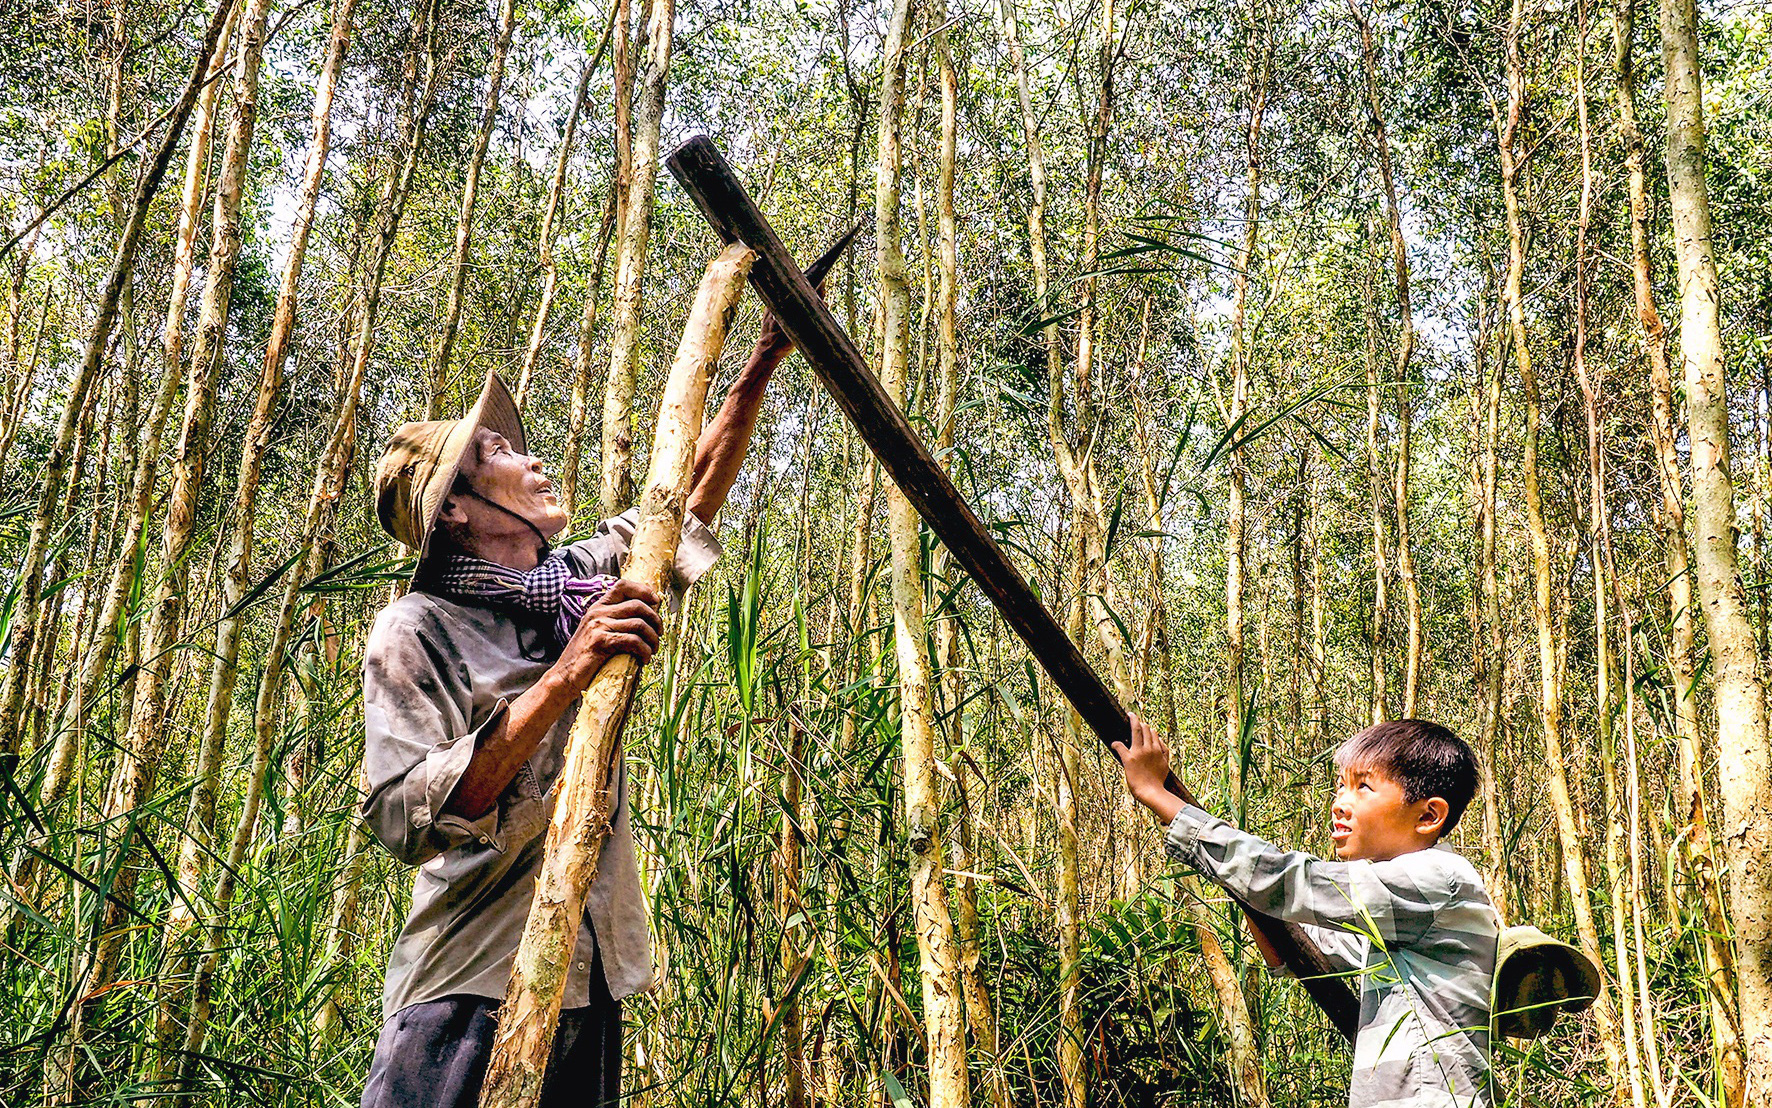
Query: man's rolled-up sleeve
[[419, 741], [607, 548], [1389, 903]]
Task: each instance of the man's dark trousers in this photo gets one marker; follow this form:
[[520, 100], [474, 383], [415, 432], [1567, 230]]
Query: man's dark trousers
[[434, 1055]]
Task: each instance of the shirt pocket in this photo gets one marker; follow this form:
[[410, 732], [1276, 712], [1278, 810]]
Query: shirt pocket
[[526, 813]]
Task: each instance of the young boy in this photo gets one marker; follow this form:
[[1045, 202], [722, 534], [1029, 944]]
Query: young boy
[[1410, 918]]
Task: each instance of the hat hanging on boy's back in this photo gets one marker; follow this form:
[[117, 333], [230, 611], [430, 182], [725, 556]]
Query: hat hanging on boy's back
[[1537, 977]]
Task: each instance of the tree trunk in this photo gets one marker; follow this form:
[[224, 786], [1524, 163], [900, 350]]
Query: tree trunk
[[1744, 757], [1036, 154], [1376, 486], [630, 266], [585, 804], [1412, 658], [981, 1019], [788, 877], [1605, 698], [943, 1007], [1696, 835], [1068, 897], [1549, 667], [470, 192], [37, 716], [1492, 644], [582, 362], [545, 238], [18, 396], [1238, 736], [1156, 635]]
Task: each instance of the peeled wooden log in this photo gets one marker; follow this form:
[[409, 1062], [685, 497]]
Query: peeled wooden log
[[828, 349], [585, 801]]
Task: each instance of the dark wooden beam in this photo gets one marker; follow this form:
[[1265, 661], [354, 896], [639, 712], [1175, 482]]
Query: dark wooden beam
[[711, 183]]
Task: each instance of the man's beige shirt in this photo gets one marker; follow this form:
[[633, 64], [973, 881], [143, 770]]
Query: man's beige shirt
[[437, 675]]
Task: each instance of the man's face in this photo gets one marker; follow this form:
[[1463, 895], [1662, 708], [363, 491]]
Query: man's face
[[513, 481], [1373, 822]]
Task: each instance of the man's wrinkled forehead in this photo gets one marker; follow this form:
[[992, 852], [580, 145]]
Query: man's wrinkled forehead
[[486, 441]]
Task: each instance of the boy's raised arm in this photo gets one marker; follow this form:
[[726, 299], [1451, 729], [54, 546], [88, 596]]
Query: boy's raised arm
[[1388, 902]]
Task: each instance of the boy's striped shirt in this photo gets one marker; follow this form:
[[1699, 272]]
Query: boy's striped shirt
[[1418, 930]]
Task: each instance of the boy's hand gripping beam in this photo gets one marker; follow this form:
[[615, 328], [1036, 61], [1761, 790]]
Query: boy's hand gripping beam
[[711, 183]]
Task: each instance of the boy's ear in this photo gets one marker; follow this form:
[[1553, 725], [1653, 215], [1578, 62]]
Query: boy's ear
[[1432, 818]]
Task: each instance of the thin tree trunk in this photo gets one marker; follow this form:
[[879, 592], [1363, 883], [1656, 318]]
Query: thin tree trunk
[[17, 394], [630, 268], [17, 399], [1633, 798], [1549, 667], [943, 1005], [341, 926], [1036, 154], [1068, 897], [1696, 836], [861, 558], [470, 193], [1319, 721], [556, 193], [1492, 648], [981, 1018], [788, 876], [100, 535], [1375, 480], [1156, 635], [1296, 664], [545, 238], [1744, 756], [1605, 698], [614, 228], [1412, 658], [37, 715], [1236, 720], [584, 360]]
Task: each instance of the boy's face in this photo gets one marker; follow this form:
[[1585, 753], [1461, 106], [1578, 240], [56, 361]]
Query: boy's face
[[1373, 822]]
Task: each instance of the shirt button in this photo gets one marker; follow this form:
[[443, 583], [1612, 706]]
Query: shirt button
[[581, 965]]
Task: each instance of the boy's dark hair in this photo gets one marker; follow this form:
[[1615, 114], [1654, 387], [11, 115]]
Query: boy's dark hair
[[1425, 758]]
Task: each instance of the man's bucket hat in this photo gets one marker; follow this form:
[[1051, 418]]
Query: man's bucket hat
[[422, 459], [1537, 977]]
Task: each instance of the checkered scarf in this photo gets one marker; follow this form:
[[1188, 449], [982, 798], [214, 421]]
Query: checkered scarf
[[548, 592]]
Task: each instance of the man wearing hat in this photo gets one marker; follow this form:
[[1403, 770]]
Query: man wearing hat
[[470, 684]]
